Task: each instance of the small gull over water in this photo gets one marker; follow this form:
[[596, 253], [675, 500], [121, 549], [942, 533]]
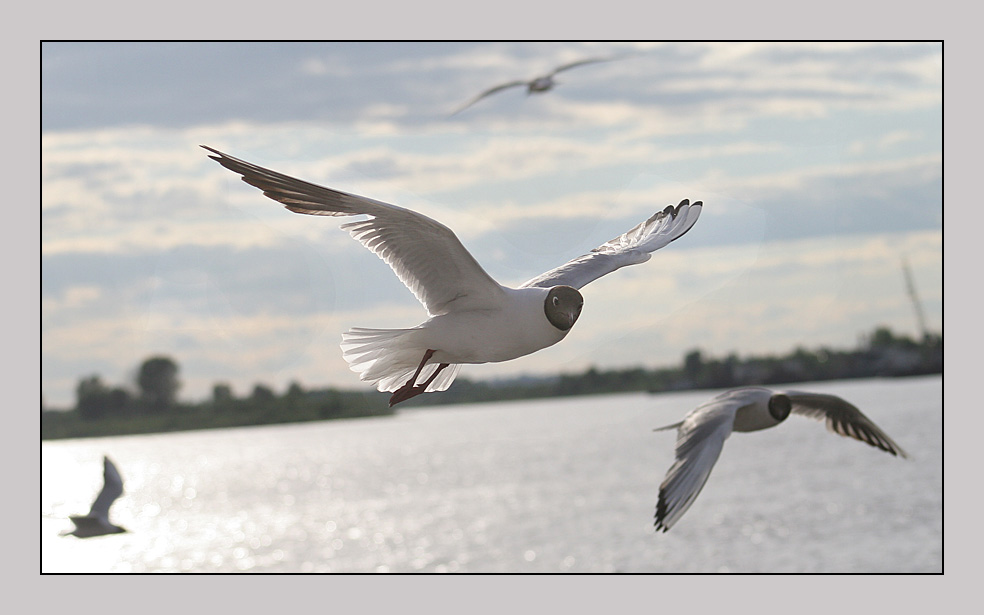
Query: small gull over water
[[701, 435], [97, 522]]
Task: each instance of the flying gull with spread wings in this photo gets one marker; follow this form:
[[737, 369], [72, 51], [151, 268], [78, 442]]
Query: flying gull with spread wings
[[97, 522], [537, 85], [701, 435], [473, 318]]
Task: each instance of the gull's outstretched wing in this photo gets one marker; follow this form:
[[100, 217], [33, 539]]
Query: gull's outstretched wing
[[635, 246], [86, 526], [580, 63], [426, 256], [842, 418], [700, 438], [112, 489], [489, 92]]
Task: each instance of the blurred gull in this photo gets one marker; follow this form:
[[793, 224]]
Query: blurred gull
[[537, 85], [97, 523], [473, 318], [701, 435]]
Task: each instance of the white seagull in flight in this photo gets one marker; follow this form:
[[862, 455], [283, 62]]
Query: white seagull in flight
[[473, 318], [537, 85], [97, 523], [701, 435]]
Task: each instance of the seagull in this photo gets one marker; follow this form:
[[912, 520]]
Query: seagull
[[538, 85], [701, 435], [473, 318], [97, 523]]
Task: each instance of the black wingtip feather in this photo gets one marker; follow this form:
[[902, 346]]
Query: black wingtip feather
[[660, 515]]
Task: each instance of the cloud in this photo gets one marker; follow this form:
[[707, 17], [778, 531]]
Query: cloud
[[99, 84], [743, 298], [159, 192], [886, 142], [815, 162]]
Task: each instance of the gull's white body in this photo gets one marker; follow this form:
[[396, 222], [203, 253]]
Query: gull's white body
[[97, 522], [508, 328], [701, 436], [473, 318]]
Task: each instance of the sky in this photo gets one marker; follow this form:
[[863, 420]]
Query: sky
[[820, 166]]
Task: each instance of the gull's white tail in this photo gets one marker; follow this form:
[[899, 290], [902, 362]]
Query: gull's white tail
[[388, 358]]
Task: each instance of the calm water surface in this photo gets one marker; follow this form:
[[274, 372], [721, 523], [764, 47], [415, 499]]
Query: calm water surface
[[563, 485]]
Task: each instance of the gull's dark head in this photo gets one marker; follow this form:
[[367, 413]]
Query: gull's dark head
[[780, 406], [562, 306]]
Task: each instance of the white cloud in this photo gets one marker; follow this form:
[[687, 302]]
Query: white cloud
[[167, 196], [816, 162], [322, 66], [756, 298], [885, 142]]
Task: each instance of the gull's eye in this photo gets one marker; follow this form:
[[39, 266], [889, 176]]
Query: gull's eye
[[556, 301]]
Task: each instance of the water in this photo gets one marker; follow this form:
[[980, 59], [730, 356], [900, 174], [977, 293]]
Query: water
[[549, 486]]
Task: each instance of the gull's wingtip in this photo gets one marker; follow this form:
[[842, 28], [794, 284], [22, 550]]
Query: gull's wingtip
[[217, 153], [684, 216], [659, 519], [467, 105], [890, 447], [674, 210], [696, 207], [668, 427], [685, 203], [692, 212]]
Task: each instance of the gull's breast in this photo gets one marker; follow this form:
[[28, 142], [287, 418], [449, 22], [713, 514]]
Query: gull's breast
[[516, 327]]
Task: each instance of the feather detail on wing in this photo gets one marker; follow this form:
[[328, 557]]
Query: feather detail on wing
[[426, 255], [842, 418], [630, 248], [580, 63], [487, 93], [700, 440]]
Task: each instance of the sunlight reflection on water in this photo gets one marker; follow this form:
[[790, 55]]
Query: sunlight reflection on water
[[562, 485]]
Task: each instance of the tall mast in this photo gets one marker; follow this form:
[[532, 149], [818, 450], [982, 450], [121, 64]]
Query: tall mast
[[911, 287]]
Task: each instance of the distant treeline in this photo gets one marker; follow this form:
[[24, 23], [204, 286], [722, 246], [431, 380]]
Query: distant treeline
[[102, 410]]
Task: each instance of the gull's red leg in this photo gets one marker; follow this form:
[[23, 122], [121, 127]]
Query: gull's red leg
[[408, 390]]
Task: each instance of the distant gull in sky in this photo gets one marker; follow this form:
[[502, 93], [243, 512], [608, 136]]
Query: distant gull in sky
[[97, 523], [537, 85], [473, 318], [701, 436]]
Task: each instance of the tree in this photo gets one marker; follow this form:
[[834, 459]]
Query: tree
[[295, 391], [294, 396], [882, 337], [693, 365], [94, 400], [222, 397], [222, 393], [158, 382], [262, 397], [89, 395]]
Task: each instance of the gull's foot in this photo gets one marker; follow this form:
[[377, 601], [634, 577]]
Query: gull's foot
[[405, 392]]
